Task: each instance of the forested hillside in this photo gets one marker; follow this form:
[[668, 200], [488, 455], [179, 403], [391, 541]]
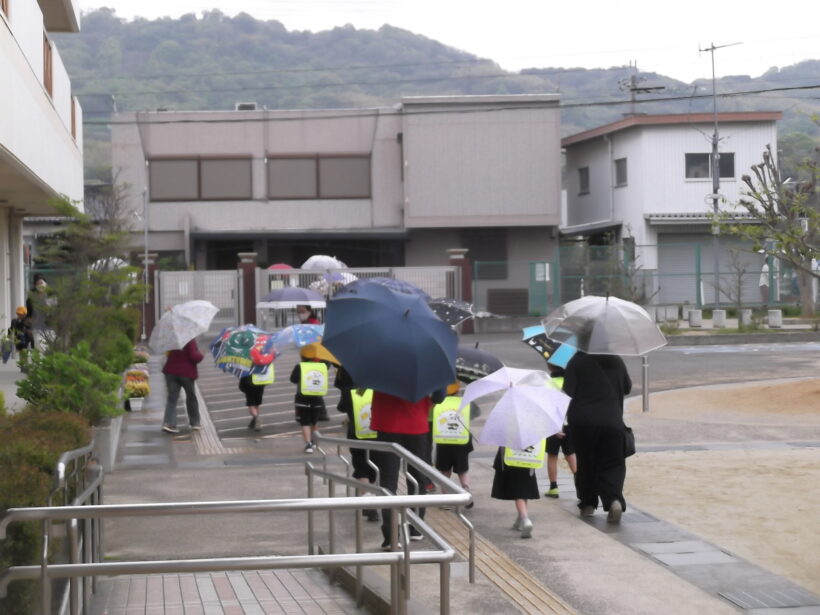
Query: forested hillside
[[212, 61]]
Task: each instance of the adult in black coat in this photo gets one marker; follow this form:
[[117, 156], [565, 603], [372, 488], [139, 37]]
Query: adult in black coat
[[597, 385]]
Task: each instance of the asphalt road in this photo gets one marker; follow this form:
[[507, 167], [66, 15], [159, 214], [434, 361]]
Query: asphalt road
[[669, 368]]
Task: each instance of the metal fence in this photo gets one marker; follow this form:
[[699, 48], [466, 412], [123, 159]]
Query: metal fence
[[684, 276], [442, 281]]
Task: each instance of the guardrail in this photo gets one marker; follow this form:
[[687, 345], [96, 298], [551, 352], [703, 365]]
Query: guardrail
[[86, 563], [455, 496]]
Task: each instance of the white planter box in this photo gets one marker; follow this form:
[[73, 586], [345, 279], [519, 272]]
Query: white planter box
[[718, 319], [695, 318], [775, 319], [106, 441]]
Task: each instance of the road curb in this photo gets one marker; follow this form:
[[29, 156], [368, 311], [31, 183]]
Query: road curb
[[698, 339]]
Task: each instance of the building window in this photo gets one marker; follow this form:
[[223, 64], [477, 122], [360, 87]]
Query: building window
[[208, 179], [319, 177], [620, 172], [48, 79], [487, 249], [698, 166], [225, 179], [583, 180]]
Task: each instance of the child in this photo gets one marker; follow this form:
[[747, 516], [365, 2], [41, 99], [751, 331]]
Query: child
[[559, 442], [20, 330], [451, 434], [515, 480], [310, 377], [253, 386]]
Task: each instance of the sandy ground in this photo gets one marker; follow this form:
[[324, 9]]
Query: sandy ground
[[760, 503]]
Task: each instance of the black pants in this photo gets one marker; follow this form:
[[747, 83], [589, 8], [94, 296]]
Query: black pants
[[389, 465], [601, 465]]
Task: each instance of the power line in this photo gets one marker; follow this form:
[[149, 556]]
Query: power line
[[382, 112]]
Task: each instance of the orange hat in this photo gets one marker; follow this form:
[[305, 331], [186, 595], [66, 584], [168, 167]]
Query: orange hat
[[452, 389], [21, 311]]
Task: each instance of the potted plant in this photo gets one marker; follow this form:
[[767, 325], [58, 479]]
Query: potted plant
[[136, 388]]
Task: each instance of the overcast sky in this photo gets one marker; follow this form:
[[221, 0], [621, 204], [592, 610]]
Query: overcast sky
[[660, 36]]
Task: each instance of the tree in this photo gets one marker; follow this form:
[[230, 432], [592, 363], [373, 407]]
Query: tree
[[781, 219], [92, 293]]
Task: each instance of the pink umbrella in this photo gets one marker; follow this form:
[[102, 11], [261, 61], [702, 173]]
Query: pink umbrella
[[280, 266]]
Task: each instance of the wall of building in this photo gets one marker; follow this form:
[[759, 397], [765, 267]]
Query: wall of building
[[481, 163], [35, 131]]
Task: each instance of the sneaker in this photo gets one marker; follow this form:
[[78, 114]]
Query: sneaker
[[472, 503], [517, 525], [257, 423], [615, 512], [252, 424], [526, 528], [552, 492], [386, 544], [309, 448], [587, 511], [170, 428], [415, 535], [196, 427]]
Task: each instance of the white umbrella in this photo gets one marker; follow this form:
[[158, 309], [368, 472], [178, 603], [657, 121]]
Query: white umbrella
[[530, 407], [604, 325], [181, 324], [323, 262]]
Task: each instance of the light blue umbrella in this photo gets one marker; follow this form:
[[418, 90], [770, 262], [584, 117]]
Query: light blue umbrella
[[295, 335], [390, 340]]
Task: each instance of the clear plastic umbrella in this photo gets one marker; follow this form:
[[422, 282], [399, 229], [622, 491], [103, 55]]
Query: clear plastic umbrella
[[528, 406], [181, 324], [323, 262], [604, 325]]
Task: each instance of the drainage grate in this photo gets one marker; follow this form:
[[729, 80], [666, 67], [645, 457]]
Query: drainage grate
[[786, 597], [685, 553]]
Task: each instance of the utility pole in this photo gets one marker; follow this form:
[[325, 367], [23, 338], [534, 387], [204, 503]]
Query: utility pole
[[631, 84], [715, 167]]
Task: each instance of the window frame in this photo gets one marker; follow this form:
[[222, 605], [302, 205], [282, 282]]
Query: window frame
[[199, 160], [48, 66], [625, 181], [317, 192], [721, 156], [583, 180]]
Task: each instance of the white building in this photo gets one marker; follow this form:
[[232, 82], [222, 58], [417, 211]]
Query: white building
[[40, 129], [373, 187], [647, 179]]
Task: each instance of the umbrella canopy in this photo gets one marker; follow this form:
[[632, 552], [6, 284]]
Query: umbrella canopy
[[536, 338], [242, 351], [604, 325], [290, 297], [322, 261], [294, 335], [452, 311], [332, 280], [529, 409], [390, 341], [399, 286], [472, 363], [181, 324], [280, 266], [317, 351]]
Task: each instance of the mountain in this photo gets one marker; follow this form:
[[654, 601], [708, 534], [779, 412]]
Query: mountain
[[213, 61]]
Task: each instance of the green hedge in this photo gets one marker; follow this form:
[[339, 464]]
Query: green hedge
[[30, 446]]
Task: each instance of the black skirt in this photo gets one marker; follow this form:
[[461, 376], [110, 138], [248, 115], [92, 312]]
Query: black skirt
[[510, 483]]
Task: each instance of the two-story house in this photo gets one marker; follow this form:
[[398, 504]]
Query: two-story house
[[40, 130], [393, 186], [647, 179]]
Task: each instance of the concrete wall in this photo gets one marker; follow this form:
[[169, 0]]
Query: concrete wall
[[481, 161], [35, 131]]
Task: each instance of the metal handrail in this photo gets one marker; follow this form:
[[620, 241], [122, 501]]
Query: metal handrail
[[444, 483]]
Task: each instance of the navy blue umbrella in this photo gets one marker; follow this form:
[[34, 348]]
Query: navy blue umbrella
[[400, 286], [390, 341]]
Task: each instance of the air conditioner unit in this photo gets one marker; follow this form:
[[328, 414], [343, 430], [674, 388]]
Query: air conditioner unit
[[245, 106]]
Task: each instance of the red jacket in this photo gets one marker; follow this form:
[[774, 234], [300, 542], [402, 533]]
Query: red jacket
[[183, 362], [392, 414]]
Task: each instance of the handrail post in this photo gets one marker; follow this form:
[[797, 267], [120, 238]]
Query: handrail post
[[331, 517], [444, 588], [45, 584], [72, 526], [309, 473], [358, 523], [88, 552]]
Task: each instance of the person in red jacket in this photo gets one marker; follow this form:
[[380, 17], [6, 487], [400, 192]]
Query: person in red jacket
[[403, 422], [181, 373]]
